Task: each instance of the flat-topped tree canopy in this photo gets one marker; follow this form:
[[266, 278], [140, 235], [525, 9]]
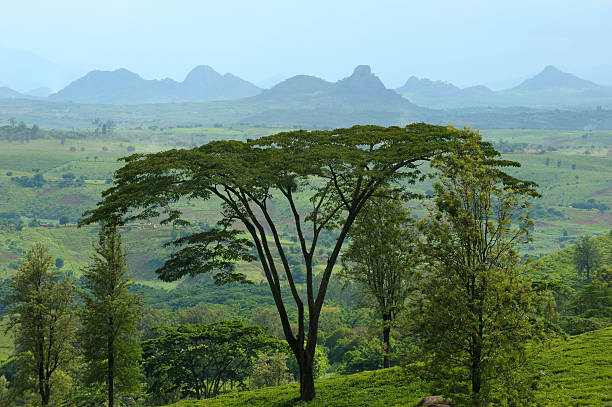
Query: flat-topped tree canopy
[[337, 170]]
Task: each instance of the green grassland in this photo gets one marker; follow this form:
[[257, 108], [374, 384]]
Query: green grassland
[[573, 372]]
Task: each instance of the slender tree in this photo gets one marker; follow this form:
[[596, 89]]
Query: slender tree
[[470, 322], [380, 257], [587, 256], [321, 179], [108, 335], [41, 308]]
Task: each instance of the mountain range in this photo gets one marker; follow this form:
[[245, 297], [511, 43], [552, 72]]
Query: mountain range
[[549, 88], [124, 87], [362, 91]]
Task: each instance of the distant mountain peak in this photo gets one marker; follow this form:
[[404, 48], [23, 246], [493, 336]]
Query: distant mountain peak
[[552, 77], [201, 71], [362, 80], [362, 70]]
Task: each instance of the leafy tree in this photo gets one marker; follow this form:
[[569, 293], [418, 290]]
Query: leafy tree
[[63, 220], [380, 257], [270, 370], [150, 318], [108, 337], [201, 313], [591, 308], [366, 356], [41, 308], [59, 263], [587, 256], [322, 177], [268, 318], [470, 323], [198, 360]]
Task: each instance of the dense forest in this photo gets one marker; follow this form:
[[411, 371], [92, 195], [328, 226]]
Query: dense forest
[[288, 258]]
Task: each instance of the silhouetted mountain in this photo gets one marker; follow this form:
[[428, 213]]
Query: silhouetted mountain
[[553, 78], [440, 94], [313, 102], [8, 93], [549, 88], [203, 80], [124, 87], [361, 90]]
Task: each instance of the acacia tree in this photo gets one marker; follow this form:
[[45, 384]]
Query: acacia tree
[[471, 320], [108, 334], [587, 256], [380, 257], [41, 308], [334, 171], [199, 360]]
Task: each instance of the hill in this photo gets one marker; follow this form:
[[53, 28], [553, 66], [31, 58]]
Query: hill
[[8, 93], [574, 372], [560, 265], [310, 101], [549, 88], [440, 94], [361, 90], [124, 87]]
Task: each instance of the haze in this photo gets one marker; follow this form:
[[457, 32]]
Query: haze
[[469, 42]]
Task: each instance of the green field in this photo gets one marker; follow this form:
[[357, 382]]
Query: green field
[[574, 372]]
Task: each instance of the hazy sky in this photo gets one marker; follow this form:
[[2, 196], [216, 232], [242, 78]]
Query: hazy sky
[[466, 42]]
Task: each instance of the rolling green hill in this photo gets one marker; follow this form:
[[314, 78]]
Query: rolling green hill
[[560, 265], [574, 372]]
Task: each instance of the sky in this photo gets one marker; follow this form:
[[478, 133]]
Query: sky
[[468, 42]]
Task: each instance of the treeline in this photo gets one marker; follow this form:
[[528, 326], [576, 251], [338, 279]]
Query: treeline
[[21, 132]]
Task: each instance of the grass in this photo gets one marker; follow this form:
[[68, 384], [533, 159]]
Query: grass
[[575, 372], [376, 388], [578, 371]]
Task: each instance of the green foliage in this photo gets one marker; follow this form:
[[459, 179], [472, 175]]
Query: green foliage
[[470, 320], [270, 370], [200, 313], [41, 310], [587, 256], [200, 360], [591, 308], [108, 335], [380, 257], [366, 356]]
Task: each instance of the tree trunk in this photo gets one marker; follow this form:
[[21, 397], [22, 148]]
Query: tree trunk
[[111, 369], [475, 371], [41, 384], [307, 389], [386, 341], [45, 395]]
